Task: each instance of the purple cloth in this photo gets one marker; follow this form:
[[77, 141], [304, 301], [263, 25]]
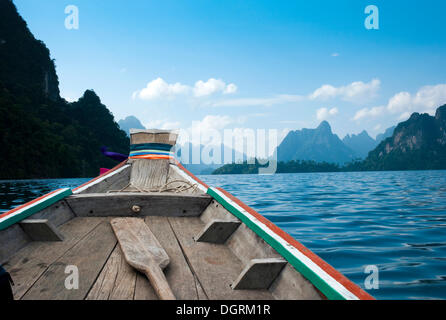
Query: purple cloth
[[113, 155]]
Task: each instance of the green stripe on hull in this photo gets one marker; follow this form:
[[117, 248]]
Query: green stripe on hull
[[34, 209], [312, 276]]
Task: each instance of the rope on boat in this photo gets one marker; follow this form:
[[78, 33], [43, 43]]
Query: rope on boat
[[181, 188]]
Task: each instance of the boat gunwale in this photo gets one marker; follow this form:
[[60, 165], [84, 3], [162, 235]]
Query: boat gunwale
[[257, 223], [263, 228]]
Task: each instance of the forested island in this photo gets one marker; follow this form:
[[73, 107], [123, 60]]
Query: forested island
[[41, 134]]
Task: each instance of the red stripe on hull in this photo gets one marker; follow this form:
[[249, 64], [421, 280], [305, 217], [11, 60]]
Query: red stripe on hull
[[353, 288], [27, 204]]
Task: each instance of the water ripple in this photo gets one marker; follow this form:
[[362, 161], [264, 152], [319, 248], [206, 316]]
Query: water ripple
[[394, 220]]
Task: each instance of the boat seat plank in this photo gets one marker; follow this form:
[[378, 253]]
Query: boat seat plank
[[40, 230], [89, 256], [215, 266], [217, 231], [29, 263], [178, 273], [259, 274], [150, 204], [116, 281]]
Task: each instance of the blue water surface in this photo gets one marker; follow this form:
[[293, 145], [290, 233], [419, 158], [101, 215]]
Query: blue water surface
[[393, 220]]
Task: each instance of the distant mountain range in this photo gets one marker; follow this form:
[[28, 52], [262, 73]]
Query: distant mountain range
[[416, 144], [318, 144], [388, 133], [322, 145], [362, 143], [130, 122]]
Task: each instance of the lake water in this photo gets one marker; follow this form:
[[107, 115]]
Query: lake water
[[395, 221]]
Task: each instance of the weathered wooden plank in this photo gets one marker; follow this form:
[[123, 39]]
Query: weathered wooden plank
[[200, 292], [259, 274], [149, 175], [215, 265], [12, 239], [88, 255], [178, 273], [217, 231], [143, 288], [40, 230], [244, 242], [150, 204], [58, 213], [155, 136], [116, 281], [28, 264]]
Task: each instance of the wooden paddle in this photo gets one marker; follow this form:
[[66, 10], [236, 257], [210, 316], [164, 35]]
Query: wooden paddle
[[143, 252]]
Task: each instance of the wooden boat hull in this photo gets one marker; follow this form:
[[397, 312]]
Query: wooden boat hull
[[218, 247], [240, 248]]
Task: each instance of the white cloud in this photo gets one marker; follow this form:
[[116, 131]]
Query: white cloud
[[369, 113], [399, 102], [250, 102], [230, 88], [210, 131], [404, 116], [429, 98], [377, 127], [325, 113], [162, 124], [354, 92], [426, 100], [201, 131], [159, 88], [212, 86], [335, 54], [212, 122]]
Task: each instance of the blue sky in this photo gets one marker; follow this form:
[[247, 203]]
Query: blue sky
[[272, 64]]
